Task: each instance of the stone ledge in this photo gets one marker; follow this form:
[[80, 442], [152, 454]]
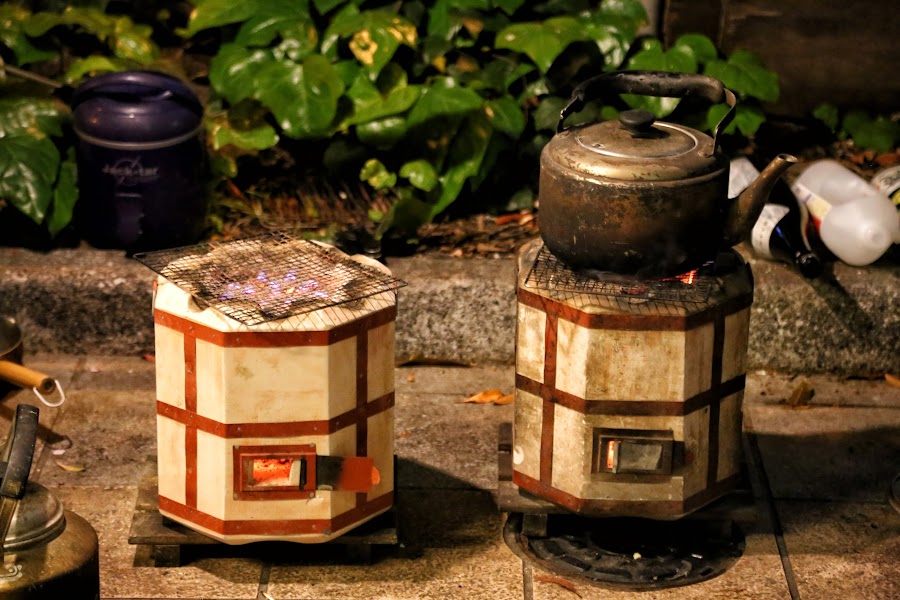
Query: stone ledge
[[461, 310]]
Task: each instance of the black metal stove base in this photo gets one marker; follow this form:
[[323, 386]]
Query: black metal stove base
[[626, 553]]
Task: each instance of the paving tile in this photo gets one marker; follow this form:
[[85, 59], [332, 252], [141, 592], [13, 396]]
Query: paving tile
[[772, 388], [126, 571], [827, 452], [462, 381], [843, 550], [453, 550], [443, 442], [757, 575], [116, 373], [113, 435]]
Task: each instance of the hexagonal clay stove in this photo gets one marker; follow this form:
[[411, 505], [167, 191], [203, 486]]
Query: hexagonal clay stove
[[628, 392], [275, 387]]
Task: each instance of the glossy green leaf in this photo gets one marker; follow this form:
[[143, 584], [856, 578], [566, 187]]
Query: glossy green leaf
[[340, 22], [125, 38], [546, 115], [653, 57], [508, 6], [11, 35], [542, 42], [382, 133], [443, 99], [375, 36], [215, 13], [261, 31], [303, 97], [132, 41], [506, 116], [703, 48], [747, 118], [298, 40], [420, 174], [879, 134], [612, 42], [397, 101], [93, 65], [828, 114], [222, 132], [326, 6], [65, 195], [626, 15], [377, 175], [464, 159], [234, 70], [744, 74], [37, 117], [28, 168]]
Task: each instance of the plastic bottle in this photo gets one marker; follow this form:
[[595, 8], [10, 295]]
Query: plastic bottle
[[854, 220], [780, 231]]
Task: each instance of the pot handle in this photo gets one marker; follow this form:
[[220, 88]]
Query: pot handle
[[653, 83]]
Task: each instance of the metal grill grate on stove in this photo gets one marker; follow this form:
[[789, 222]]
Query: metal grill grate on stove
[[270, 277], [670, 296]]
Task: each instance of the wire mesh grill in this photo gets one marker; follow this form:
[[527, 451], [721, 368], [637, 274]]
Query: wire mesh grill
[[268, 277], [587, 288]]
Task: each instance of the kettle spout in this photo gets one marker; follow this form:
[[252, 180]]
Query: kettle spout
[[745, 209]]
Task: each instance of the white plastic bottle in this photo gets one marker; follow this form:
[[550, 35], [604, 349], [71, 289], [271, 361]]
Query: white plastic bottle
[[855, 221]]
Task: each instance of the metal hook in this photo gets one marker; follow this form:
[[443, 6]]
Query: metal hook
[[44, 400]]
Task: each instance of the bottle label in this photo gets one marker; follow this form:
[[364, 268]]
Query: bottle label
[[741, 174], [768, 220], [817, 206], [888, 181]]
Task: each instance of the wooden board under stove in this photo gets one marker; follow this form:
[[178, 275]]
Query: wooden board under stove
[[166, 537]]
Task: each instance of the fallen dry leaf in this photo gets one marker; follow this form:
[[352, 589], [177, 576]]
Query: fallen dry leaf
[[801, 395], [892, 379], [411, 378], [507, 399], [70, 468], [485, 397], [150, 358], [564, 583]]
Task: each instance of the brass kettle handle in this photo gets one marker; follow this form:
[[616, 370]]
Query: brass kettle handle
[[653, 83]]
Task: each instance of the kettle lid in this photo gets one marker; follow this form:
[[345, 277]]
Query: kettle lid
[[39, 517], [635, 147]]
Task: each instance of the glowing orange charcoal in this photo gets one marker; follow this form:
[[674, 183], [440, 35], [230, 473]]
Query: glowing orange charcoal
[[267, 469], [687, 278]]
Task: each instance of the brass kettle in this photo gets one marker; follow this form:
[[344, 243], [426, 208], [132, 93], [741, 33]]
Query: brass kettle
[[643, 197]]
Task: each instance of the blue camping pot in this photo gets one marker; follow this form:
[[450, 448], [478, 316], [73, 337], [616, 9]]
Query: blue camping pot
[[142, 167]]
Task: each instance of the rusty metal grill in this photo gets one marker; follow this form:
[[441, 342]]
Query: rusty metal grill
[[621, 292], [268, 277]]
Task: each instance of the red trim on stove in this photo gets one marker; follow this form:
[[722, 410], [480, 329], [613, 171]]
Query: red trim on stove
[[281, 527], [632, 322], [190, 430], [274, 339], [638, 508], [666, 408], [275, 430], [548, 410]]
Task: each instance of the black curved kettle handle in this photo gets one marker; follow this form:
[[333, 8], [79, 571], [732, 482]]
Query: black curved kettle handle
[[652, 83], [18, 452]]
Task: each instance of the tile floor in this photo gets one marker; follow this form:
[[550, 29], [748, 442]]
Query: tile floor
[[821, 478]]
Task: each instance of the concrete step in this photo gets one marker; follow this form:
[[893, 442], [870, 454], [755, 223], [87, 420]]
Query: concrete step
[[461, 310]]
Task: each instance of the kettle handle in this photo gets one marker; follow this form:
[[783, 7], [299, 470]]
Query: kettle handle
[[17, 454], [653, 83]]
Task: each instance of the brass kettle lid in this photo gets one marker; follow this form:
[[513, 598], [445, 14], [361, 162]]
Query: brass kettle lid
[[38, 519], [634, 147]]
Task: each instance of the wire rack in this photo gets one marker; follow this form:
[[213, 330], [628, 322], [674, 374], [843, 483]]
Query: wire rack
[[268, 277], [669, 296]]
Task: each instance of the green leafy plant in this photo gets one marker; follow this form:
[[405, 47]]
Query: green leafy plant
[[37, 165], [877, 132], [422, 99], [742, 72]]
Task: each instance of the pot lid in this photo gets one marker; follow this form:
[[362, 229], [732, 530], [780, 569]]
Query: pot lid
[[635, 147], [39, 518]]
